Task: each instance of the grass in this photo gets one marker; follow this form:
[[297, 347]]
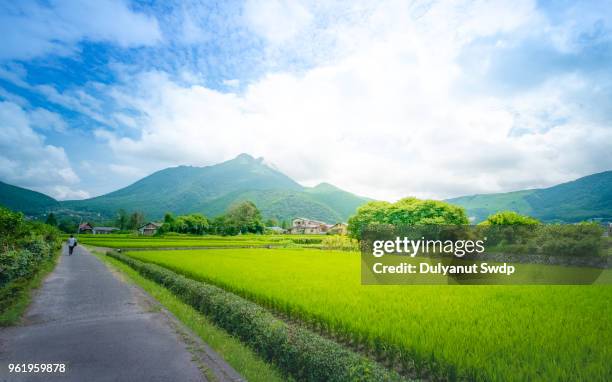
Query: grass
[[173, 241], [504, 332], [17, 295], [241, 358]]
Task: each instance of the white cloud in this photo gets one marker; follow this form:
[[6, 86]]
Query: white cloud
[[27, 161], [31, 29], [378, 106], [277, 20], [384, 119], [44, 119]]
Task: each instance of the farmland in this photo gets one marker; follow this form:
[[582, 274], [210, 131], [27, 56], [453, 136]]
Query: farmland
[[474, 332], [210, 241]]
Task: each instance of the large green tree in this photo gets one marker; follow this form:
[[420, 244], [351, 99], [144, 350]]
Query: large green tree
[[407, 211], [136, 220], [243, 217]]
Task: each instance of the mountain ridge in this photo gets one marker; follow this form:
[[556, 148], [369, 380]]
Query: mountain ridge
[[212, 189], [588, 197]]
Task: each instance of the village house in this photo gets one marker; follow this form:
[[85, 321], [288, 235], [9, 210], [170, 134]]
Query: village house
[[85, 228], [338, 229], [308, 226], [103, 230], [149, 229]]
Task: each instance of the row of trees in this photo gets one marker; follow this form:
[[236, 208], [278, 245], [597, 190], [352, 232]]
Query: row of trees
[[413, 211], [240, 218], [129, 221]]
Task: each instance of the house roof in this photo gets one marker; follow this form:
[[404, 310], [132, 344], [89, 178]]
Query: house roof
[[311, 220], [156, 224]]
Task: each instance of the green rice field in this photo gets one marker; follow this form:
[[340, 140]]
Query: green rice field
[[504, 332], [172, 241]]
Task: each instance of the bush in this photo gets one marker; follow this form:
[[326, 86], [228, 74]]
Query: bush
[[295, 350], [506, 218], [24, 245], [342, 243], [570, 240]]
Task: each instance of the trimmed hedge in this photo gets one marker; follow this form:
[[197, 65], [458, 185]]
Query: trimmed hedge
[[297, 351]]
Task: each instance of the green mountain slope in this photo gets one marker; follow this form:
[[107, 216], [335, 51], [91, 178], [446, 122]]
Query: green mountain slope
[[24, 200], [585, 198], [212, 189]]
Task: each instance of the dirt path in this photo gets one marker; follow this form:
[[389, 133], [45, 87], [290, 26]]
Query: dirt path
[[103, 329]]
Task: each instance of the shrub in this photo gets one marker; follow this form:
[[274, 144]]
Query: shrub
[[338, 242], [295, 350], [506, 218], [24, 245]]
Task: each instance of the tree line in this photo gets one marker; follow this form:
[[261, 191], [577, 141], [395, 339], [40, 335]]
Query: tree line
[[240, 218]]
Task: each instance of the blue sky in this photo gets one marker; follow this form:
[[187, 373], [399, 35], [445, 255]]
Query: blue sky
[[382, 98]]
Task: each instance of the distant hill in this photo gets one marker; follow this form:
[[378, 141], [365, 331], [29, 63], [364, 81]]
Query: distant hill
[[585, 198], [212, 189], [24, 200]]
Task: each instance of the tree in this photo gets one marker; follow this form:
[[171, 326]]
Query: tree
[[122, 219], [136, 220], [243, 217], [195, 224], [272, 223], [509, 218], [369, 213], [407, 211], [168, 218], [51, 220], [218, 225], [68, 224]]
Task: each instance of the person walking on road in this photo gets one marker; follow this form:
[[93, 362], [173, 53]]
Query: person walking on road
[[72, 242]]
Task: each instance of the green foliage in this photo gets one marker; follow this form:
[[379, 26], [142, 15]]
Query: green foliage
[[340, 243], [407, 211], [242, 218], [298, 352], [369, 213], [509, 218], [570, 240], [512, 233], [23, 245], [195, 224], [51, 220], [122, 219], [135, 221]]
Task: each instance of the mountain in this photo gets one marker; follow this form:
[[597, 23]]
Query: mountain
[[584, 198], [212, 189], [24, 200]]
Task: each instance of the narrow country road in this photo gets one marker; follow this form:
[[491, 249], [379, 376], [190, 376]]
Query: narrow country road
[[103, 329]]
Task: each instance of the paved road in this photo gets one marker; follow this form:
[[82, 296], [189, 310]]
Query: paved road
[[103, 329]]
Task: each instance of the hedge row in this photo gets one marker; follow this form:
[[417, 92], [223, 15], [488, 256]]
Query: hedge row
[[298, 352]]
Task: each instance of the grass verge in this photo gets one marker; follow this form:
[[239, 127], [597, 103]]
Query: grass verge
[[17, 295], [240, 357]]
